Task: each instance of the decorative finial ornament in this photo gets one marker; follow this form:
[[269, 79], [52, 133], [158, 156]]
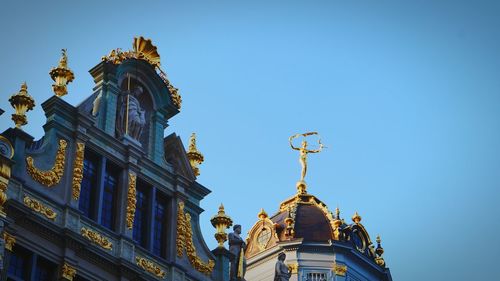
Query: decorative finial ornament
[[303, 150], [262, 214], [21, 102], [289, 221], [61, 75], [356, 218], [221, 222], [379, 251], [195, 157]]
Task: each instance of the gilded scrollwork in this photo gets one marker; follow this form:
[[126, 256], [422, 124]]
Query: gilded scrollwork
[[185, 242], [96, 238], [131, 200], [50, 177], [38, 207], [78, 170], [68, 272], [150, 267], [340, 270], [9, 241]]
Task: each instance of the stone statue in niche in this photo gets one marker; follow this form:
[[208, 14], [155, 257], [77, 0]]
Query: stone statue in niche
[[131, 118]]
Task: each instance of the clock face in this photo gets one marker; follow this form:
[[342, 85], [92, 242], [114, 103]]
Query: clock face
[[358, 240]]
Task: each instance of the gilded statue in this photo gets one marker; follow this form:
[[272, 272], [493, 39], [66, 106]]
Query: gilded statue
[[304, 151]]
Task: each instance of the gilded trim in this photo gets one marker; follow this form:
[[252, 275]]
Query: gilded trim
[[150, 267], [185, 242], [96, 238], [78, 170], [131, 200], [293, 268], [38, 207], [68, 272], [9, 240], [53, 176], [340, 270]]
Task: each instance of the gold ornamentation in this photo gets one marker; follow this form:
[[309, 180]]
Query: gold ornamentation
[[293, 268], [340, 270], [301, 184], [221, 222], [38, 207], [61, 75], [53, 176], [336, 225], [150, 267], [195, 157], [356, 218], [96, 238], [379, 252], [131, 200], [186, 234], [9, 240], [21, 102], [68, 272], [5, 171], [78, 170], [143, 49]]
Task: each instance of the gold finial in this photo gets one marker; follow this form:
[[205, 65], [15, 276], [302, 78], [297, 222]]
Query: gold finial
[[262, 214], [289, 221], [379, 251], [21, 102], [301, 184], [61, 75], [337, 213], [356, 218], [221, 222], [195, 157]]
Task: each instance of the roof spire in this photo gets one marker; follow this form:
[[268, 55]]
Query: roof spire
[[195, 157]]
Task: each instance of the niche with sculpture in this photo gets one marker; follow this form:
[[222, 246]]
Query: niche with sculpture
[[134, 109]]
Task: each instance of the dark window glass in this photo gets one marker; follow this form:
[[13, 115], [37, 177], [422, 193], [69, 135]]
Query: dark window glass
[[44, 270], [140, 219], [108, 197], [159, 227], [88, 186], [19, 264]]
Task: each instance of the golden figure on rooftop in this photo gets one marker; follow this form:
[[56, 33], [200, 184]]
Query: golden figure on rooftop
[[304, 151]]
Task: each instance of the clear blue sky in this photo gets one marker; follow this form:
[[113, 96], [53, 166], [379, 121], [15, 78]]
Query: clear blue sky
[[406, 95]]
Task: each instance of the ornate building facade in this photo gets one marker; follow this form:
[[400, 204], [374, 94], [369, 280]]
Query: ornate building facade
[[103, 195]]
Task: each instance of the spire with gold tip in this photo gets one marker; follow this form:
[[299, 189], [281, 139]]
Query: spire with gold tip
[[61, 75], [21, 102], [356, 218], [195, 157], [221, 222]]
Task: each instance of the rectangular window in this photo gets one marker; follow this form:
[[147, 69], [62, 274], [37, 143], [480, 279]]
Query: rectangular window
[[159, 227], [141, 215], [109, 196], [19, 264], [89, 184], [44, 270]]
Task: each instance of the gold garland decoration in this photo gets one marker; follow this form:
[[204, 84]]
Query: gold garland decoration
[[185, 242], [78, 170], [53, 176], [131, 200], [68, 272], [96, 238], [38, 207], [150, 267]]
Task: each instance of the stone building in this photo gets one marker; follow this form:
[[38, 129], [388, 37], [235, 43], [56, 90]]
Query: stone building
[[319, 245], [103, 195]]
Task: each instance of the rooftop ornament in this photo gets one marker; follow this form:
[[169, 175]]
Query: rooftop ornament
[[301, 184], [62, 76], [21, 102], [356, 218], [143, 49], [379, 251], [195, 157], [221, 222]]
